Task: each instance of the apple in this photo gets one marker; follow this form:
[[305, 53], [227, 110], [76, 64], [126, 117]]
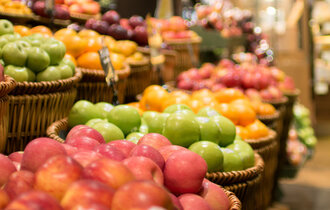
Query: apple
[[109, 131], [176, 202], [101, 26], [39, 8], [207, 112], [90, 23], [110, 172], [91, 7], [104, 107], [166, 151], [83, 143], [62, 12], [68, 62], [253, 94], [141, 35], [20, 74], [175, 108], [86, 157], [231, 160], [154, 140], [55, 49], [117, 32], [51, 73], [65, 71], [181, 129], [141, 194], [16, 156], [125, 24], [155, 121], [231, 79], [14, 54], [245, 151], [134, 137], [227, 130], [209, 129], [143, 127], [149, 152], [92, 122], [185, 84], [39, 151], [18, 183], [124, 145], [110, 151], [70, 150], [84, 131], [135, 21], [6, 169], [4, 199], [144, 169], [127, 118], [182, 166], [214, 196], [34, 199], [6, 27], [211, 153], [193, 201], [111, 17], [81, 112], [2, 72], [37, 59], [87, 192], [12, 37], [89, 206]]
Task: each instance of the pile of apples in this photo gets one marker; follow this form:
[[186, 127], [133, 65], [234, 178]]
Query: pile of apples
[[33, 58], [117, 175], [255, 80]]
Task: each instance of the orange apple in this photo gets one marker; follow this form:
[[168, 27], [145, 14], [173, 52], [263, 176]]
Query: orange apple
[[18, 183], [4, 199]]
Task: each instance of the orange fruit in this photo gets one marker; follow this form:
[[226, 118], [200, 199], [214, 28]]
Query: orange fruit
[[153, 100], [176, 97], [125, 47], [71, 58], [242, 132], [117, 60], [75, 45], [266, 109], [202, 93], [93, 44], [86, 33], [195, 105], [245, 102], [245, 114], [227, 95], [89, 60], [257, 130], [22, 30], [64, 32], [152, 88], [228, 111], [41, 30]]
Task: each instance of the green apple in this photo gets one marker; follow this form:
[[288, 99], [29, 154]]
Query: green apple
[[176, 107], [38, 59], [6, 27], [92, 122], [35, 42], [181, 129], [37, 36], [209, 129], [231, 160], [20, 74], [109, 131], [81, 112], [51, 73], [11, 37], [227, 130], [127, 118], [245, 151], [14, 54], [155, 121], [134, 137], [65, 70], [143, 127], [211, 153], [3, 41], [23, 43], [68, 62], [207, 112], [55, 49], [32, 75], [237, 137], [104, 108], [2, 62]]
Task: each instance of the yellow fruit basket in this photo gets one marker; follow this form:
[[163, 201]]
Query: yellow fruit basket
[[33, 106]]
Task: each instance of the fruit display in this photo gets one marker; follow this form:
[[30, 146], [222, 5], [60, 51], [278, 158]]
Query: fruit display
[[14, 7], [33, 58], [116, 175]]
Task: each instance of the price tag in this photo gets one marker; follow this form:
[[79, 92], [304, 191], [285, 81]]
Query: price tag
[[50, 7]]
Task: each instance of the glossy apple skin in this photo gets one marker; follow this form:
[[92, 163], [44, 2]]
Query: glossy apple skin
[[16, 156], [110, 151], [83, 143], [87, 192], [6, 169], [166, 151], [84, 131], [86, 157], [4, 199], [184, 172], [149, 152], [176, 202], [154, 140], [141, 194], [18, 183], [214, 196], [193, 201], [245, 151], [144, 169]]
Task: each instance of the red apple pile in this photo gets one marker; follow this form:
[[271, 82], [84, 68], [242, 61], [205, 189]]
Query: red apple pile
[[87, 173], [256, 80]]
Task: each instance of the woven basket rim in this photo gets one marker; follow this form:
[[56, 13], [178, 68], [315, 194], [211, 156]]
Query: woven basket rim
[[274, 116], [82, 16], [53, 130], [166, 52], [234, 177], [264, 141], [143, 62], [6, 86], [235, 203], [196, 40], [48, 20], [283, 100]]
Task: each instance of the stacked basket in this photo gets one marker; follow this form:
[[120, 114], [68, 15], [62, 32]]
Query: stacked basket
[[33, 106]]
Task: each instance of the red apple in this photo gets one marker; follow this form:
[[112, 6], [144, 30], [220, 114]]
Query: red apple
[[154, 140], [111, 17], [184, 172], [110, 151], [141, 35], [193, 201], [176, 202], [248, 80], [2, 75], [101, 26], [4, 199], [214, 196], [253, 94], [111, 172], [231, 79], [18, 183], [84, 131], [89, 206], [34, 199], [141, 194], [125, 24], [6, 169], [16, 156], [226, 63], [88, 192], [135, 21], [70, 150], [124, 145], [83, 143], [185, 84], [117, 32], [206, 70], [169, 150], [144, 169], [86, 157], [90, 23], [149, 152]]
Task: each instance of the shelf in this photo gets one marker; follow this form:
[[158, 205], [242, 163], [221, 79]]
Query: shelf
[[324, 40]]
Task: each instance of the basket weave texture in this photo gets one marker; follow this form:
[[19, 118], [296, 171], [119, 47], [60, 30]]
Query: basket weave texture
[[235, 203]]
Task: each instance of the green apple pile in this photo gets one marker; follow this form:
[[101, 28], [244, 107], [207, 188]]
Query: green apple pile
[[208, 133], [33, 58]]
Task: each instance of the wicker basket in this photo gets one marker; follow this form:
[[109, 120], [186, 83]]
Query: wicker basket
[[32, 112], [5, 87], [245, 184], [94, 88], [270, 120], [235, 203], [139, 78], [267, 148], [184, 60]]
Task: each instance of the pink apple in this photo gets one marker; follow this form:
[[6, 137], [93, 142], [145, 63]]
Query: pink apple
[[18, 183], [149, 152], [125, 24], [16, 156], [144, 169], [34, 199], [193, 201], [231, 79], [89, 206], [214, 196], [110, 151], [226, 63], [77, 128], [124, 145], [86, 157], [169, 150], [38, 151], [4, 199], [253, 94], [70, 149], [154, 140], [6, 169], [185, 84], [83, 143], [248, 80], [111, 17], [88, 192], [184, 172], [83, 131], [176, 202]]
